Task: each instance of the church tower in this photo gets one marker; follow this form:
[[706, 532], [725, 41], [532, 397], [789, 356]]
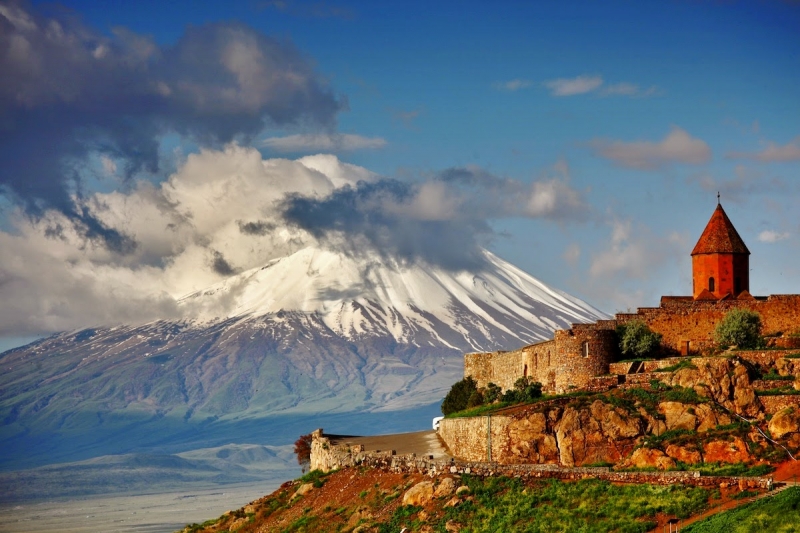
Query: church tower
[[720, 260]]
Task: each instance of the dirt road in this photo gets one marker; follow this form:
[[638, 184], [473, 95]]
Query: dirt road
[[420, 442]]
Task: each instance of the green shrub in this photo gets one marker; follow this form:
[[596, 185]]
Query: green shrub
[[492, 393], [475, 399], [458, 397], [739, 327], [636, 339]]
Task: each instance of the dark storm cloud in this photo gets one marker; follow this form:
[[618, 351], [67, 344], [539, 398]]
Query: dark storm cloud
[[221, 265], [443, 220], [379, 216], [258, 227], [68, 91]]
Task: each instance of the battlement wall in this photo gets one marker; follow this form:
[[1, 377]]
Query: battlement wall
[[687, 325]]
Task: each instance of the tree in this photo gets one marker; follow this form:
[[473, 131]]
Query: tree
[[636, 339], [492, 393], [458, 397], [302, 449], [739, 327]]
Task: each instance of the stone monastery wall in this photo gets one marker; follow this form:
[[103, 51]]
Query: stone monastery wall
[[681, 320], [585, 351]]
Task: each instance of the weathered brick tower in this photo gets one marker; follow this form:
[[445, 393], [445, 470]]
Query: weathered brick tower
[[720, 260]]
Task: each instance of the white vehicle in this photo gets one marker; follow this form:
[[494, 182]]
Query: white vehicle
[[436, 421]]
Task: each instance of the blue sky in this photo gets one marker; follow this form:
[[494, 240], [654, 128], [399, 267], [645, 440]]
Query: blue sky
[[641, 111]]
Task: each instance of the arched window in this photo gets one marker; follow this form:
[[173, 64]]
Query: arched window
[[710, 284], [586, 349]]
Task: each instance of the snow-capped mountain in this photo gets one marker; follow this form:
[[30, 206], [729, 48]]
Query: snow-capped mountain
[[499, 306], [262, 354]]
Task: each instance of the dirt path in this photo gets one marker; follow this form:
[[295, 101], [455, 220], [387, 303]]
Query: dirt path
[[784, 477], [421, 443]]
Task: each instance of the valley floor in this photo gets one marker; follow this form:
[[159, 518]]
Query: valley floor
[[149, 513]]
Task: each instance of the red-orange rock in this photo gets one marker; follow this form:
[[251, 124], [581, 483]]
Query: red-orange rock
[[683, 454], [720, 451]]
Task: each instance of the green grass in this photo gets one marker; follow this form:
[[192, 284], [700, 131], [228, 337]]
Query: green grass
[[315, 477], [778, 514], [774, 376], [588, 506]]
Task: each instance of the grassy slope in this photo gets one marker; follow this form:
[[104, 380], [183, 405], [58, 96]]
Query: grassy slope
[[493, 504], [779, 514]]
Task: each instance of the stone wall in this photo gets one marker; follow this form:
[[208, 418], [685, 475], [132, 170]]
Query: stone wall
[[681, 320], [773, 404], [324, 454], [686, 325], [567, 362], [582, 353], [472, 437]]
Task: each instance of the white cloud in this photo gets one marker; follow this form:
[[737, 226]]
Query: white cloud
[[772, 152], [633, 252], [513, 85], [677, 147], [573, 86], [224, 211], [335, 142], [770, 236], [220, 208]]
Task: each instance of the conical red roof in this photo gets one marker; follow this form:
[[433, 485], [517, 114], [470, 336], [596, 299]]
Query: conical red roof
[[720, 237]]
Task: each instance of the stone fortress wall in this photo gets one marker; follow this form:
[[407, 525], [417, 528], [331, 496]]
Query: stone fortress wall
[[577, 355]]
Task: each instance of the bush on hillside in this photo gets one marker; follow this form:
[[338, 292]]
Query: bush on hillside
[[525, 390], [636, 339], [739, 327], [492, 393], [458, 397]]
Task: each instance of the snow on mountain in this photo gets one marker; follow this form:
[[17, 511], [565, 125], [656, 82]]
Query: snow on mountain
[[496, 307], [270, 353]]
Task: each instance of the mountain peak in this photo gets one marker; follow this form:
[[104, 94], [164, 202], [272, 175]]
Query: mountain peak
[[370, 295]]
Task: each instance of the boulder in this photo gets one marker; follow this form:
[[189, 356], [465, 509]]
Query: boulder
[[602, 433], [446, 487], [686, 455], [463, 489], [726, 380], [678, 415], [303, 489], [649, 458], [709, 418], [784, 422], [530, 440], [419, 495], [726, 451]]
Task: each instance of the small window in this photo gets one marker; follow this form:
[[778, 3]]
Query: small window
[[548, 358], [586, 349], [525, 371], [711, 287]]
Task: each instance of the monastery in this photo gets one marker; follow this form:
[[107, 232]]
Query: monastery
[[581, 357]]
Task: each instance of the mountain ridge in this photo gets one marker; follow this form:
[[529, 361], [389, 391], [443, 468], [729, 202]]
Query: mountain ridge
[[360, 337]]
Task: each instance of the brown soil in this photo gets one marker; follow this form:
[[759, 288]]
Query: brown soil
[[342, 494]]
